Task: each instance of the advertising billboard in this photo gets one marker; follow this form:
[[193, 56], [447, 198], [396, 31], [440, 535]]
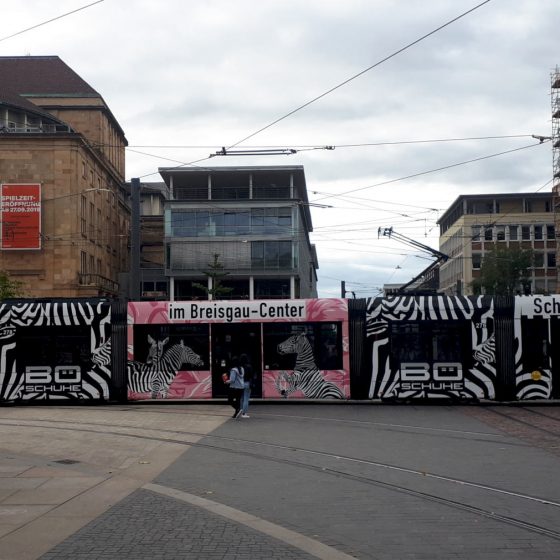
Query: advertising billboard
[[20, 214]]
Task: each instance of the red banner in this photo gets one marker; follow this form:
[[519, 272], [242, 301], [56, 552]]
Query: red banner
[[20, 207]]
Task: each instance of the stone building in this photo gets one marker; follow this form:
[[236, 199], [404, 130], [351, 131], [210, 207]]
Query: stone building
[[475, 224], [62, 152]]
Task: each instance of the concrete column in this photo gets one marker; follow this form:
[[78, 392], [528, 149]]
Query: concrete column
[[134, 287], [172, 288]]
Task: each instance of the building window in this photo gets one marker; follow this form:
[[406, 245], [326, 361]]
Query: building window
[[476, 260], [527, 206], [83, 262], [501, 233], [488, 234], [538, 233], [271, 254], [268, 288], [513, 233], [91, 220], [271, 221], [83, 216], [550, 233], [84, 174], [475, 233], [551, 260], [538, 260], [526, 233]]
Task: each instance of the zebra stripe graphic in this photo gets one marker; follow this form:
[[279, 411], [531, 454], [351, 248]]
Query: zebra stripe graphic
[[306, 377], [479, 375], [156, 377], [533, 381], [93, 317]]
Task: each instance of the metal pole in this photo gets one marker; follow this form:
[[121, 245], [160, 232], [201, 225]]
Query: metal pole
[[135, 279]]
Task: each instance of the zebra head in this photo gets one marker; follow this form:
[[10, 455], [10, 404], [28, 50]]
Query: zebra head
[[101, 356], [156, 350], [485, 353], [190, 357], [292, 345]]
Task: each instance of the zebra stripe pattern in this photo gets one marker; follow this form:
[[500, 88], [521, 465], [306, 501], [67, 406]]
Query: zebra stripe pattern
[[479, 379], [306, 377], [94, 315], [156, 377]]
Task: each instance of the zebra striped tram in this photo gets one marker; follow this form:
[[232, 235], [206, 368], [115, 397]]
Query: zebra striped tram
[[400, 349]]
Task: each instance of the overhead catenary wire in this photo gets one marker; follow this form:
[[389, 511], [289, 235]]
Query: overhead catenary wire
[[435, 170], [348, 80], [51, 20]]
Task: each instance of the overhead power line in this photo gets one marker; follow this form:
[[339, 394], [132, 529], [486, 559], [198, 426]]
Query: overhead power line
[[419, 174], [51, 20], [392, 55]]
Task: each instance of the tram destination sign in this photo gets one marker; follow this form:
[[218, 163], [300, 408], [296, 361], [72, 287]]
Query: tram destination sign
[[230, 311]]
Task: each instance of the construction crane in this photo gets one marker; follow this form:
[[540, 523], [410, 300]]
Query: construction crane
[[440, 257]]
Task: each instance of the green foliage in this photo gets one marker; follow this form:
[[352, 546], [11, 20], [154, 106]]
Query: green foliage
[[9, 288], [216, 274], [504, 271]]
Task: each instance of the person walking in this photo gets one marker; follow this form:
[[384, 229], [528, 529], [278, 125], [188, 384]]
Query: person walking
[[247, 382], [236, 386]]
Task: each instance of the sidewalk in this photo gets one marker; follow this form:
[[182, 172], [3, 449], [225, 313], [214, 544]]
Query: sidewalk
[[292, 482], [53, 481]]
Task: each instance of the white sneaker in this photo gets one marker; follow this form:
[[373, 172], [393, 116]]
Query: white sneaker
[[245, 416]]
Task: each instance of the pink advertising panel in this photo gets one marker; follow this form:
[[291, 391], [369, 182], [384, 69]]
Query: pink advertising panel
[[179, 350]]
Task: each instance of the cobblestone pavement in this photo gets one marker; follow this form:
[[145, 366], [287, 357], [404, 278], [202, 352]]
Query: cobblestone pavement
[[537, 425], [332, 481], [145, 526]]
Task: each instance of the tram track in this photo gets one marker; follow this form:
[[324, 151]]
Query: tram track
[[545, 430], [319, 467]]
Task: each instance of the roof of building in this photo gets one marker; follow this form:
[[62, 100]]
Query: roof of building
[[13, 99], [23, 78], [496, 196], [42, 76]]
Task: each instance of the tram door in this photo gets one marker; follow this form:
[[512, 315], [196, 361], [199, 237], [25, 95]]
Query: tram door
[[229, 340], [554, 350]]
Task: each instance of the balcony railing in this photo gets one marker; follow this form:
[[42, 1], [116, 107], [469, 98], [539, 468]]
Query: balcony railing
[[99, 282]]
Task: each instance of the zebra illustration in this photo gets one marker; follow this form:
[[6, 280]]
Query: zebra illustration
[[101, 356], [485, 352], [479, 375], [155, 352], [91, 318], [156, 377], [306, 376]]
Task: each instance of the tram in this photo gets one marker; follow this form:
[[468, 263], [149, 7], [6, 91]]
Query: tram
[[402, 348]]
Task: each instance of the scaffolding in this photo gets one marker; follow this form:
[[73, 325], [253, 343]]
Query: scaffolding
[[555, 103]]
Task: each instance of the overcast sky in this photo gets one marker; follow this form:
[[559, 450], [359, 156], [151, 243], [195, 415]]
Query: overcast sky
[[201, 75]]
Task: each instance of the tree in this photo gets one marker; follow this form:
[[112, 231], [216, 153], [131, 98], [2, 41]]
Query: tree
[[9, 288], [216, 274], [504, 271]]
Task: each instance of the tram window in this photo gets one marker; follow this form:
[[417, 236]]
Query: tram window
[[535, 347], [446, 344], [409, 342], [193, 336], [325, 340], [50, 346], [424, 342]]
